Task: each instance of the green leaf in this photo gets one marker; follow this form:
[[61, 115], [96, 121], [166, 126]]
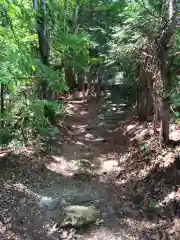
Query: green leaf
[[33, 68], [152, 203]]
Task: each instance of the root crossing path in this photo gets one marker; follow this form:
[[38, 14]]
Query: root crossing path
[[79, 170]]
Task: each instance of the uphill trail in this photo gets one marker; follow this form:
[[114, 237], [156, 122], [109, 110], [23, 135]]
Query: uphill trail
[[95, 162]]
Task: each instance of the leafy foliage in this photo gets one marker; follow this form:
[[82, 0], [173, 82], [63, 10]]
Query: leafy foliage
[[82, 36]]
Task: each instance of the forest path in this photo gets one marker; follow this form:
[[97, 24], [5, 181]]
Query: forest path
[[97, 162], [76, 170]]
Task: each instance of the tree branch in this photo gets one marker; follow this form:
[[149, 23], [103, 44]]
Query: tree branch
[[168, 32], [176, 54], [169, 28]]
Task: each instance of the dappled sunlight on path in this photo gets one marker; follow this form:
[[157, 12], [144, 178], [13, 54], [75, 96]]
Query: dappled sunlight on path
[[104, 158]]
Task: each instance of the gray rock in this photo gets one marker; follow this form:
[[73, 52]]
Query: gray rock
[[77, 216]]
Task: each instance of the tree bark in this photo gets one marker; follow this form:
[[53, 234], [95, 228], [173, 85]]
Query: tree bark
[[44, 50], [98, 88], [165, 116], [144, 103], [144, 94], [164, 105], [163, 59], [99, 82], [70, 77], [2, 105], [80, 79]]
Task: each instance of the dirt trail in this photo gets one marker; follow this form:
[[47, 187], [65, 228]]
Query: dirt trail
[[76, 170], [96, 162]]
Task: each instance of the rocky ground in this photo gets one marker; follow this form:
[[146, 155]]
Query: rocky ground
[[105, 177]]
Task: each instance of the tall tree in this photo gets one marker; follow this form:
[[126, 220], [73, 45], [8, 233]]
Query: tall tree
[[148, 47], [40, 9], [163, 41]]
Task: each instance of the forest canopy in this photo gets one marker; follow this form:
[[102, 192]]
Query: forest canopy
[[55, 47]]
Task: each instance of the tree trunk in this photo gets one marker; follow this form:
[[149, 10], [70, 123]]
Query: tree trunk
[[163, 59], [2, 105], [46, 91], [44, 50], [70, 78], [99, 82], [98, 88], [165, 117], [144, 103], [80, 79], [144, 94], [165, 104]]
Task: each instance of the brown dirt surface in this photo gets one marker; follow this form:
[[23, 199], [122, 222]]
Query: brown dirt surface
[[111, 160]]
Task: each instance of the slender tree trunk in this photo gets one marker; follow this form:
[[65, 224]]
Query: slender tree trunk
[[69, 71], [80, 79], [144, 94], [2, 105], [165, 117], [163, 42], [99, 82], [70, 77], [98, 88], [45, 91], [156, 105], [165, 104], [89, 82], [44, 50]]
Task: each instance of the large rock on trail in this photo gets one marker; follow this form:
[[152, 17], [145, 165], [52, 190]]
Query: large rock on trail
[[78, 217]]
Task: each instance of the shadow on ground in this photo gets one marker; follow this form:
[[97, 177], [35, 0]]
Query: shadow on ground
[[98, 161], [32, 198]]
